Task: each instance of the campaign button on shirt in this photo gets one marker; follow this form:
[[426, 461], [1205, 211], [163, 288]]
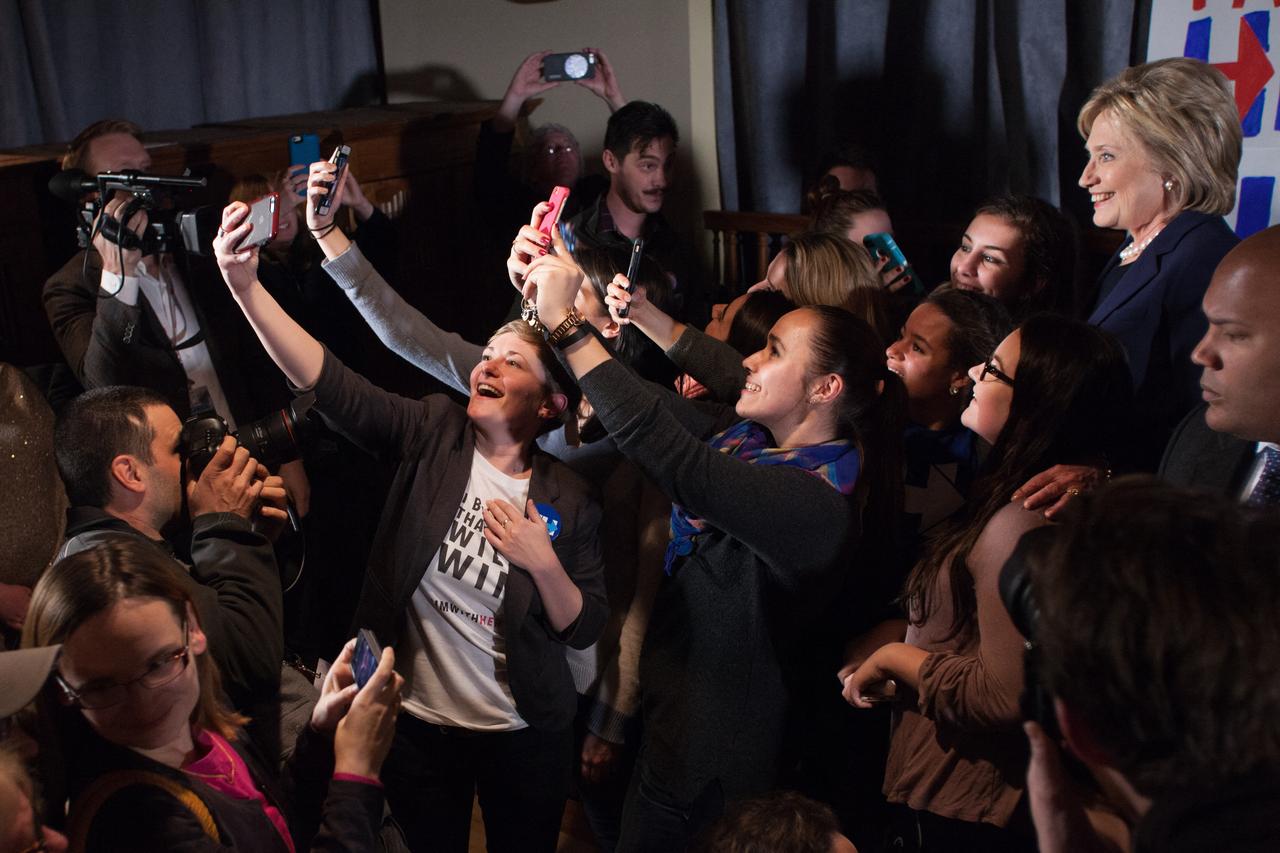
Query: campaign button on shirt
[[550, 517]]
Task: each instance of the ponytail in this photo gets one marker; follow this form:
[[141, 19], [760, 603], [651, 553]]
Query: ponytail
[[870, 411]]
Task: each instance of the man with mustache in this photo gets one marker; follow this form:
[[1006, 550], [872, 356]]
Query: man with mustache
[[639, 155]]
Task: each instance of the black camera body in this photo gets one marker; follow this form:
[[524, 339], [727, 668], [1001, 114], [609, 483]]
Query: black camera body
[[1018, 596], [169, 225], [272, 440]]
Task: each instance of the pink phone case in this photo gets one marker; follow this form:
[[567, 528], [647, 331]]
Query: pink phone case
[[559, 196]]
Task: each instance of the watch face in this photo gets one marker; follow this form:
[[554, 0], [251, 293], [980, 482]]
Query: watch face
[[575, 66]]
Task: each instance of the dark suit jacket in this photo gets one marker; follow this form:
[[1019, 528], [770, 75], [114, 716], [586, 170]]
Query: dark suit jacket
[[109, 343], [1154, 311], [432, 443], [1201, 458]]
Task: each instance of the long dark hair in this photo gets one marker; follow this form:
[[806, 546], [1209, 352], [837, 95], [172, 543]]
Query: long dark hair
[[1072, 387], [1050, 248], [749, 331], [872, 410]]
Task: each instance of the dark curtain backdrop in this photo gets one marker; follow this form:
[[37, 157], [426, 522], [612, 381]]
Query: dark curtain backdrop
[[957, 99], [177, 63]]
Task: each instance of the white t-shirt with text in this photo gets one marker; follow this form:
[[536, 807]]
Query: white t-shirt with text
[[454, 657]]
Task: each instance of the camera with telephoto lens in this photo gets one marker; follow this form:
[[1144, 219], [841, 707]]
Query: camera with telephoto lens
[[272, 440], [1018, 596]]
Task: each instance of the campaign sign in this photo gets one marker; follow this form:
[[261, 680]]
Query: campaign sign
[[1235, 36]]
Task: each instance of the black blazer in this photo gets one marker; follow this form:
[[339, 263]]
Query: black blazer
[[109, 343], [432, 444], [1199, 457], [1154, 311]]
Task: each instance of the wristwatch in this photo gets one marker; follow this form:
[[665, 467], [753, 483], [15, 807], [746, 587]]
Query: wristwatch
[[572, 329]]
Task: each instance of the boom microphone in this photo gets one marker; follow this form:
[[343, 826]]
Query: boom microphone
[[71, 184]]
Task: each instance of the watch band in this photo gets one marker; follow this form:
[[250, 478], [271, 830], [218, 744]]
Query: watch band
[[579, 333], [572, 320]]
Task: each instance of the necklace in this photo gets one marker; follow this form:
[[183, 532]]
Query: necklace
[[1134, 249]]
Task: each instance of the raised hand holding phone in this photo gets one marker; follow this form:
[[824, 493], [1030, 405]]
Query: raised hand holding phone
[[633, 267], [327, 201], [559, 196]]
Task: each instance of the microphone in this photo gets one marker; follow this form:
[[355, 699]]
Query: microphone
[[71, 184]]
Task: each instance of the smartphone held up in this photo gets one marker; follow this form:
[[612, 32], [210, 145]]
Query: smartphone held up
[[339, 159]]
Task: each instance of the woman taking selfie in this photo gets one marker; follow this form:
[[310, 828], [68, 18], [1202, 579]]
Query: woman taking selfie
[[1050, 393], [154, 758], [486, 565], [766, 520]]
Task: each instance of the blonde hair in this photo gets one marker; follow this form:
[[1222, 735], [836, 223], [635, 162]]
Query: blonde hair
[[77, 153], [558, 379], [1183, 113], [829, 269]]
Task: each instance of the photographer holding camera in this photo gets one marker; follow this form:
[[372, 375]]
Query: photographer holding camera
[[117, 450], [1159, 643], [156, 319]]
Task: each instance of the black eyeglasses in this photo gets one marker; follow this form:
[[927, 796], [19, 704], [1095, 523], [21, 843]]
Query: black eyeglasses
[[1000, 375], [159, 673]]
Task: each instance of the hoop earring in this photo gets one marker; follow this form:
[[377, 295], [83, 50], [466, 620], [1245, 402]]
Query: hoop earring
[[954, 391]]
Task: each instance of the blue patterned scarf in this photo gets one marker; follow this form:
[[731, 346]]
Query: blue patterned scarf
[[836, 461]]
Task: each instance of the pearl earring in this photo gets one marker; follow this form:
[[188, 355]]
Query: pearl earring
[[1168, 186], [954, 391]]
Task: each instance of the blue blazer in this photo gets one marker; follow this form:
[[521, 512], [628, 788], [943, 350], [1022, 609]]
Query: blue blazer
[[1154, 311]]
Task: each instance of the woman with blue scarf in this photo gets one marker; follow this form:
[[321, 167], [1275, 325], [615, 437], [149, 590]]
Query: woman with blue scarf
[[767, 516]]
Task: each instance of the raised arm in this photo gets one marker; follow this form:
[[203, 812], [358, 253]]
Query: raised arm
[[796, 522], [294, 351], [714, 363]]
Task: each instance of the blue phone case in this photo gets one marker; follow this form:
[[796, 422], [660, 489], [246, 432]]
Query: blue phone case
[[882, 244], [304, 149]]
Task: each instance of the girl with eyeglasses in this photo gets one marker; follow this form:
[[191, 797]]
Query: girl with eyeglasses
[[153, 757], [1052, 392]]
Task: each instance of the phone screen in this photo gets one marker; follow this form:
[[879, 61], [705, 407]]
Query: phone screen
[[366, 657]]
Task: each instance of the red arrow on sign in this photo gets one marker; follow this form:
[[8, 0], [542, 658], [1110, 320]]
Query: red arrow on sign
[[1251, 70]]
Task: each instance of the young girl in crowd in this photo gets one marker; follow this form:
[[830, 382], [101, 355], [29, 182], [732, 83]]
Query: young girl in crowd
[[951, 330], [486, 565], [1022, 251], [1051, 392], [814, 268], [765, 523], [155, 759]]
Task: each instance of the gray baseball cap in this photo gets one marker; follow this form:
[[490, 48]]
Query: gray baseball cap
[[23, 673]]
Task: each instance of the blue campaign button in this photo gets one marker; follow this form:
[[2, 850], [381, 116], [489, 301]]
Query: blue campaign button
[[550, 517]]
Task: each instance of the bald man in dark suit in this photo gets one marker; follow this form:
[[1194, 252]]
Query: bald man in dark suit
[[1229, 444]]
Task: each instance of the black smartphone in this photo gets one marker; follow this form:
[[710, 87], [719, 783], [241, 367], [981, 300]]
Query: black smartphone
[[367, 655], [568, 66], [633, 269], [339, 159]]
